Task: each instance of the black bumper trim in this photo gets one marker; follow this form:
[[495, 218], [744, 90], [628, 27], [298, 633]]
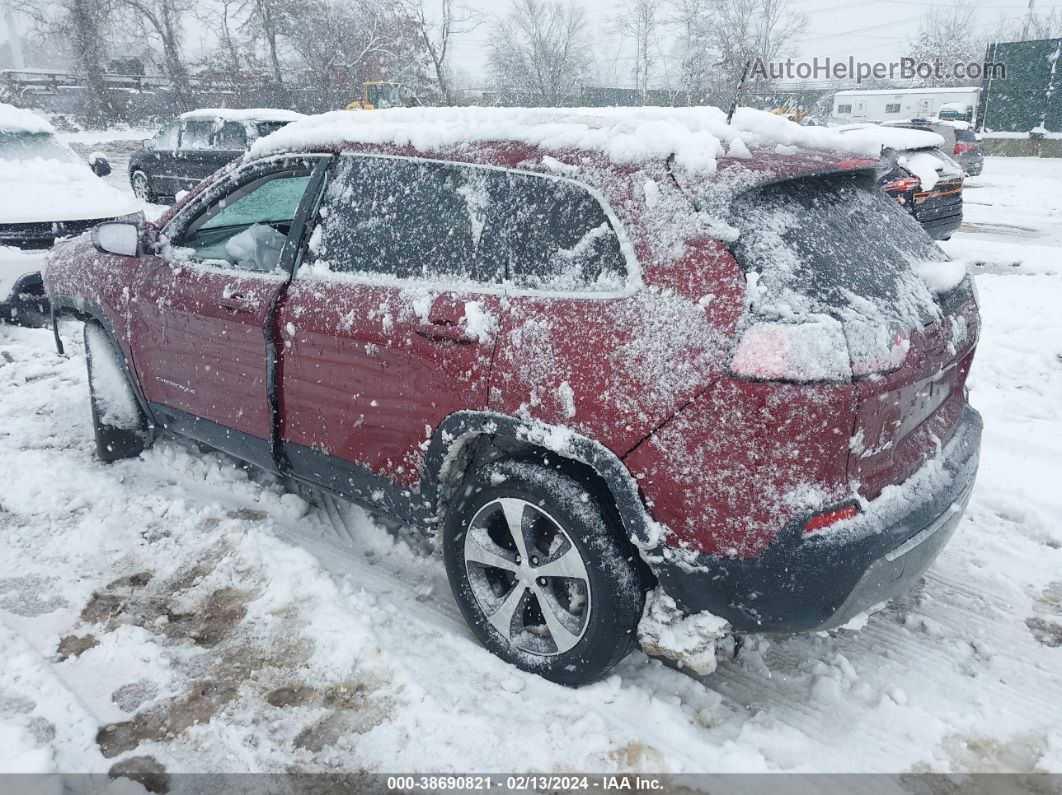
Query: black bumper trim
[[806, 584]]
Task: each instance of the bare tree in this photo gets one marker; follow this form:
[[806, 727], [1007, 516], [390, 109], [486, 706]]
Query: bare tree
[[163, 21], [267, 17], [638, 21], [437, 35], [947, 34], [344, 42], [694, 44], [540, 49], [82, 25], [719, 38]]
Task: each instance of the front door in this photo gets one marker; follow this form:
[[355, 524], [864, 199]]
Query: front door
[[204, 303], [390, 325]]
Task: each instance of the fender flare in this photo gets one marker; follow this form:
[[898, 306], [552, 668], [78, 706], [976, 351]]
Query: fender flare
[[462, 427]]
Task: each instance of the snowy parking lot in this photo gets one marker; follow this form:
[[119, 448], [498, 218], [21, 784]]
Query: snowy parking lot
[[181, 608]]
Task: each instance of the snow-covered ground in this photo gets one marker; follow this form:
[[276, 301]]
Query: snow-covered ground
[[181, 608]]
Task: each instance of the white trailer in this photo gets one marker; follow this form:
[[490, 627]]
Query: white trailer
[[903, 103]]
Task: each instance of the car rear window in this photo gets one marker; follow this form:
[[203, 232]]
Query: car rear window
[[835, 245]]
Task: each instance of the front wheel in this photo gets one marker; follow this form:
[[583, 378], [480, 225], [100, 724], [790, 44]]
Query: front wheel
[[141, 187], [541, 573], [120, 427]]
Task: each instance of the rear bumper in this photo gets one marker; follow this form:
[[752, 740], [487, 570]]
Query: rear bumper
[[941, 228], [804, 584]]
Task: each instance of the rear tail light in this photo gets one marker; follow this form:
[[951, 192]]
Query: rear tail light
[[903, 184], [802, 352], [820, 521], [961, 149], [818, 351]]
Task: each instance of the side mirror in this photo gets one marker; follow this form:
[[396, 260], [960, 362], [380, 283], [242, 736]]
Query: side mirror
[[100, 165], [148, 143], [117, 237]]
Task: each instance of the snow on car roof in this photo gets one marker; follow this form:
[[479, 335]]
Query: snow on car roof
[[897, 138], [696, 137], [244, 114], [14, 119]]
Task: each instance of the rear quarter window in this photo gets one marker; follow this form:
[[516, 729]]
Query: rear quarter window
[[553, 234]]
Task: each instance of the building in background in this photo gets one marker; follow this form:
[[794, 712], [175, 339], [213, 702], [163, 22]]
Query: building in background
[[890, 104]]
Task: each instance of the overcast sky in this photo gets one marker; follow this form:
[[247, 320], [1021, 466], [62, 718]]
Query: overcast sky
[[870, 31]]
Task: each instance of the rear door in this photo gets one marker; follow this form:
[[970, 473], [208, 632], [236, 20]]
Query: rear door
[[160, 161], [203, 305], [390, 325], [196, 156]]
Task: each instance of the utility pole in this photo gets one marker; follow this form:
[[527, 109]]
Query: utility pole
[[13, 41], [1028, 21]]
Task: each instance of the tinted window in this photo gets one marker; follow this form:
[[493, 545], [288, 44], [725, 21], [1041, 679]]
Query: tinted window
[[267, 127], [553, 234], [231, 135], [406, 219], [834, 240], [196, 134], [247, 228], [166, 138]]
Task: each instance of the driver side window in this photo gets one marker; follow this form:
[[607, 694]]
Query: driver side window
[[247, 228]]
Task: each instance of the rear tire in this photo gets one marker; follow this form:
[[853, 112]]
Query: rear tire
[[141, 186], [592, 588], [119, 424]]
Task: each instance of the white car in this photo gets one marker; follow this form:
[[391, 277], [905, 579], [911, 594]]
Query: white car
[[46, 192]]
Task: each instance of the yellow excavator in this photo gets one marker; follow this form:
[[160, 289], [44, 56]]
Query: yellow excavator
[[381, 94]]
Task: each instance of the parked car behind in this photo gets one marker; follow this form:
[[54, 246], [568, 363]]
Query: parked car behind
[[48, 193], [595, 359], [195, 145], [960, 141], [928, 184], [917, 174]]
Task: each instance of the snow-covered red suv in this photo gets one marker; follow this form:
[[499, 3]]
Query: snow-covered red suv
[[603, 357]]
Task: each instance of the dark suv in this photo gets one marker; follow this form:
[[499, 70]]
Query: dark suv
[[594, 372], [960, 141], [195, 145]]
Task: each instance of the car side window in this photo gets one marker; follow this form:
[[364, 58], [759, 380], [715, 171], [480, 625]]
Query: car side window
[[247, 228], [553, 234], [196, 134], [407, 219], [231, 136], [166, 138]]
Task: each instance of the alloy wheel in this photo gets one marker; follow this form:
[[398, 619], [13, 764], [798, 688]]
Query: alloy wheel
[[527, 577]]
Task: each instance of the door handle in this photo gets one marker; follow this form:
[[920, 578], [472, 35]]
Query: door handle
[[237, 304], [446, 332]]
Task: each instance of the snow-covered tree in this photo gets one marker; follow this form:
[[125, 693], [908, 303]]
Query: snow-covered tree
[[540, 48], [638, 21], [947, 34], [436, 33]]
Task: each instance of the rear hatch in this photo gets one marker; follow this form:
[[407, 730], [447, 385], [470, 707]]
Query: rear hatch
[[834, 253]]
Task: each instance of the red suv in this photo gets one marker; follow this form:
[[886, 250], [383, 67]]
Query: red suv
[[592, 374]]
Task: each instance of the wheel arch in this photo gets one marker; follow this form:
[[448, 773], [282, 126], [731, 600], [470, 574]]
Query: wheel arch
[[466, 438]]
